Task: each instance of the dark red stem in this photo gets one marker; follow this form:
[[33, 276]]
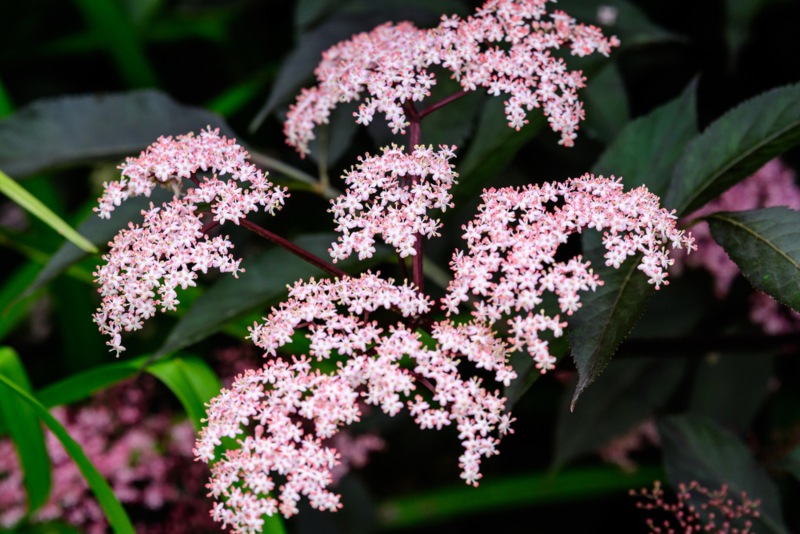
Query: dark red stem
[[294, 249], [414, 137], [441, 103]]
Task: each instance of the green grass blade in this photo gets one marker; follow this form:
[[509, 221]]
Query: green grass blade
[[524, 490], [81, 385], [26, 432], [115, 513], [21, 196]]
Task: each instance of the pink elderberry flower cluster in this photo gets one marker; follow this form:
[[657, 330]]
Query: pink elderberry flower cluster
[[510, 261], [146, 459], [146, 264], [772, 185], [505, 47], [698, 509], [288, 408], [390, 195]]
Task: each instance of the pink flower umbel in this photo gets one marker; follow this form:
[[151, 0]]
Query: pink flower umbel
[[505, 47], [511, 252], [271, 405], [391, 195], [147, 263]]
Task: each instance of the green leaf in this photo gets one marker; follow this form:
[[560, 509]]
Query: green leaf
[[606, 104], [115, 513], [697, 449], [81, 385], [646, 150], [628, 393], [765, 245], [34, 206], [264, 281], [734, 146], [606, 316], [75, 129], [421, 510], [25, 430], [492, 148], [730, 388], [191, 380]]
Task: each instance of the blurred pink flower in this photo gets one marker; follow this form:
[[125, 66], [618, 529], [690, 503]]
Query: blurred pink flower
[[146, 459], [772, 185]]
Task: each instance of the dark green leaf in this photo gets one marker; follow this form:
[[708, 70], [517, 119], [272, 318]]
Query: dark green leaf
[[68, 130], [606, 317], [730, 388], [606, 104], [264, 280], [115, 513], [697, 449], [628, 393], [25, 430], [335, 138], [191, 380], [298, 68], [734, 146], [765, 245], [647, 149], [492, 148], [454, 123]]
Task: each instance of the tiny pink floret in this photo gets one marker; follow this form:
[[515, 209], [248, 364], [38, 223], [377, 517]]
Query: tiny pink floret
[[391, 195]]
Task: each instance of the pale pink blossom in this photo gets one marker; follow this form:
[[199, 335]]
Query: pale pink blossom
[[146, 263], [510, 261], [265, 409], [772, 185], [504, 47], [391, 195]]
